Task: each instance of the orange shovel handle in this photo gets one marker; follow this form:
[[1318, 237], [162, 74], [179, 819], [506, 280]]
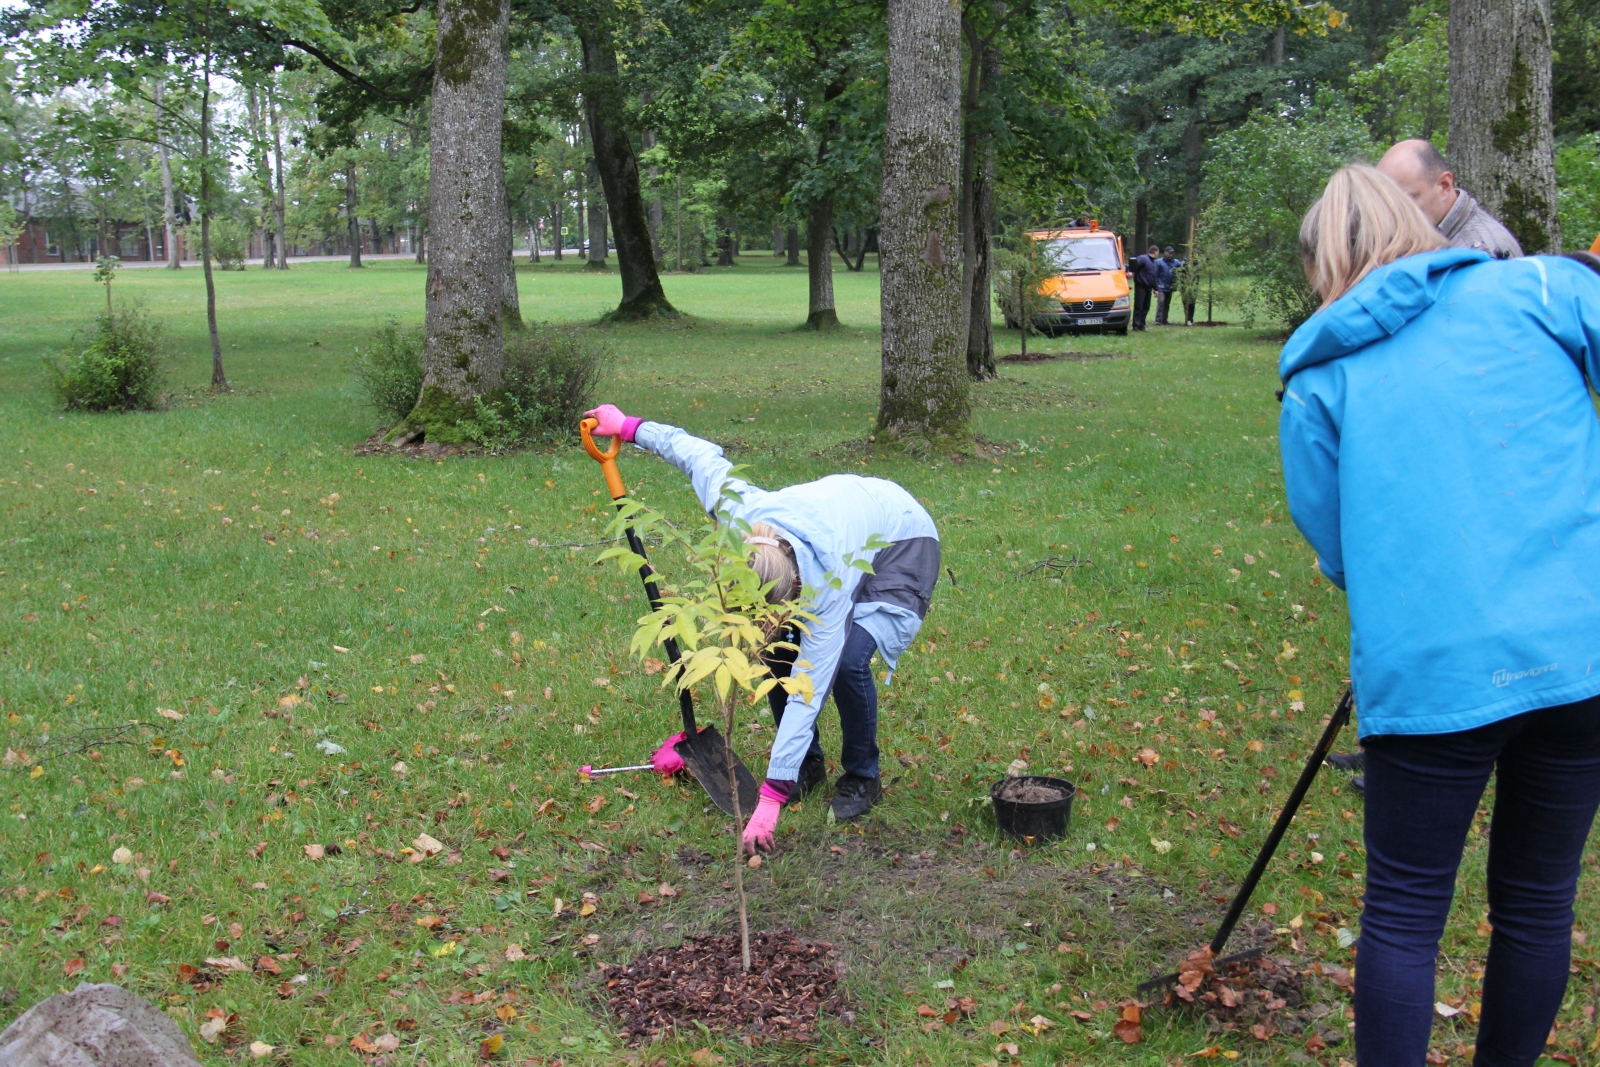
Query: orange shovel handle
[[606, 459]]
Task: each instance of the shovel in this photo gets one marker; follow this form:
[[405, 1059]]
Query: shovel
[[704, 750], [1330, 733]]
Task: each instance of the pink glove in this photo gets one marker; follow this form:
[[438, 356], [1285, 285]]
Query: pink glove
[[613, 422], [758, 831], [666, 760]]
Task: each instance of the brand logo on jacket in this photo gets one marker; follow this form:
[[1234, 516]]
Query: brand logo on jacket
[[1505, 678]]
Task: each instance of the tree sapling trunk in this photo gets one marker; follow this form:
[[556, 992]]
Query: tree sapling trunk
[[738, 821]]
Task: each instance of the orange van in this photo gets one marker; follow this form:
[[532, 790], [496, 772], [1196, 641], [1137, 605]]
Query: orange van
[[1089, 290]]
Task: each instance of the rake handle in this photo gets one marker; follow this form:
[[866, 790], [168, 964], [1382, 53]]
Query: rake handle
[[1319, 755], [619, 494]]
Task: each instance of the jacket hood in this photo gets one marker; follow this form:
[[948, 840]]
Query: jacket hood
[[1380, 304]]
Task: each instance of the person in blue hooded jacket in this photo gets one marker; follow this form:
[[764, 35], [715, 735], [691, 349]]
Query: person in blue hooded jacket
[[1442, 457], [799, 536]]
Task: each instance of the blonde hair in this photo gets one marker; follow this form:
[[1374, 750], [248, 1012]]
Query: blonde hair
[[1362, 221], [773, 560]]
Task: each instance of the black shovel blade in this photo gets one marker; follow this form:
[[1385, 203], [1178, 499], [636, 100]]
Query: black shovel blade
[[1160, 981], [706, 757]]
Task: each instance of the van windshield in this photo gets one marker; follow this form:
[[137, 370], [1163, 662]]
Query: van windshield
[[1081, 253]]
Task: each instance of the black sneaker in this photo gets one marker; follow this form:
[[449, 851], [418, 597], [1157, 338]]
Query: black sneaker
[[855, 796], [1348, 761], [813, 772], [1359, 783]]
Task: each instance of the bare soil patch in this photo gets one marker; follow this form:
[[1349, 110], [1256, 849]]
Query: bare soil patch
[[790, 983]]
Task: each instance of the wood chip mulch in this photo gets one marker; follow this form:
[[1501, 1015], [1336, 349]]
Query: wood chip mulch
[[790, 983]]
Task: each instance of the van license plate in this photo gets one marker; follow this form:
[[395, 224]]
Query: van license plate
[[1091, 322]]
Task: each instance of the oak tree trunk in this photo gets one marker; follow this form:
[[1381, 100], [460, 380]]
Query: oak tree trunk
[[925, 395], [791, 247], [510, 301], [597, 221], [642, 295], [164, 153], [351, 217], [463, 348], [219, 380], [819, 266], [1501, 142], [977, 204]]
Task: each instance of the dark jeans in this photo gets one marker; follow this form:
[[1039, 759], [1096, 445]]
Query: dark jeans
[[1163, 301], [856, 697], [1141, 304], [1422, 793]]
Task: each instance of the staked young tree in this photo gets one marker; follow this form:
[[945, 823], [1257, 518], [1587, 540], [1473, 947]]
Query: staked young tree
[[1501, 137]]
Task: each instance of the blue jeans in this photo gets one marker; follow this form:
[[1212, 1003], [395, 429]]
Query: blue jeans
[[855, 695], [1422, 794]]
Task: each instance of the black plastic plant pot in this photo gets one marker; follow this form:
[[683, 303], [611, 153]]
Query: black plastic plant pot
[[1037, 818]]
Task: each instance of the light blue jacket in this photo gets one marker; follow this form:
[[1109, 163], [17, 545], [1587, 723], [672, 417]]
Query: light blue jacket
[[823, 520], [1442, 456]]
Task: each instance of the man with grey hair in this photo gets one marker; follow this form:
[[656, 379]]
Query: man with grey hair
[[1419, 168]]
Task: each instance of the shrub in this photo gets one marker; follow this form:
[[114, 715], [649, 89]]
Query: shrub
[[1263, 176], [551, 376], [1578, 191], [117, 366], [553, 372], [389, 372]]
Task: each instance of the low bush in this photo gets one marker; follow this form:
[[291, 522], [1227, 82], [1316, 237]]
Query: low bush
[[389, 371], [119, 365], [551, 377]]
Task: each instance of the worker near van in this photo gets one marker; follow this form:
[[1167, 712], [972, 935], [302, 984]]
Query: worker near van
[[1166, 270], [1422, 171], [1144, 283]]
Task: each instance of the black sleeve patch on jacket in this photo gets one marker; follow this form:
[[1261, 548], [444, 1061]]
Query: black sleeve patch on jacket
[[903, 574]]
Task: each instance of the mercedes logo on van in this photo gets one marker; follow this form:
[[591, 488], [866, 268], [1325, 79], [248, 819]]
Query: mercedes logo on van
[[1088, 305]]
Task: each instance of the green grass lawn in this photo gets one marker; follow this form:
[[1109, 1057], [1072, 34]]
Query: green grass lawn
[[416, 650]]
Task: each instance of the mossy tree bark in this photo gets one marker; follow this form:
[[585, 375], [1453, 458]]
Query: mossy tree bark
[[463, 347], [642, 295], [819, 265], [1501, 141], [926, 395]]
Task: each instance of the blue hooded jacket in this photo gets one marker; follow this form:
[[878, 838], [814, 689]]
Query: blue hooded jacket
[[1442, 455]]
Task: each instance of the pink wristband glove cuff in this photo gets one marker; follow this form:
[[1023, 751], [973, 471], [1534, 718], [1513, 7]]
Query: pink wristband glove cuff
[[666, 760], [759, 830], [613, 423]]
